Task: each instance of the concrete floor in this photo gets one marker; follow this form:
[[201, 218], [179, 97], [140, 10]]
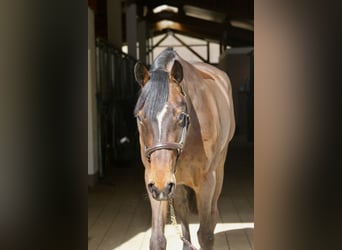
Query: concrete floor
[[119, 214]]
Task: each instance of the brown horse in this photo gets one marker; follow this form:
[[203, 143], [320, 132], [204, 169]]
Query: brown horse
[[185, 120]]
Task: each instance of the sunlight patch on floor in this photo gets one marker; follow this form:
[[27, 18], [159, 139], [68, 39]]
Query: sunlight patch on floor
[[142, 239], [222, 227]]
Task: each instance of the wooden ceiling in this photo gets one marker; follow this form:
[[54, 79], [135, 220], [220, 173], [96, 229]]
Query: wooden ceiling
[[229, 22]]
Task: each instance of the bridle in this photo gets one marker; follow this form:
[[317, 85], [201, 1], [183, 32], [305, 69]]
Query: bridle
[[178, 146]]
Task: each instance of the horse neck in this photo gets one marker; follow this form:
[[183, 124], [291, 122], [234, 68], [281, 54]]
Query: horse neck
[[191, 85]]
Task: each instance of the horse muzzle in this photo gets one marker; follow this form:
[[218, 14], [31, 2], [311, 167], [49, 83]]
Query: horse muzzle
[[161, 194]]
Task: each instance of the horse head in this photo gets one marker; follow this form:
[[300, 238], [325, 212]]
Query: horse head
[[162, 119]]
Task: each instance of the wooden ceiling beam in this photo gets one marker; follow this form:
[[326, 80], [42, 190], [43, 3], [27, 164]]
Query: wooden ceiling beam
[[241, 9], [220, 32]]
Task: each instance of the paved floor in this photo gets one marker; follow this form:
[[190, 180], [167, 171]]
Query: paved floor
[[119, 214]]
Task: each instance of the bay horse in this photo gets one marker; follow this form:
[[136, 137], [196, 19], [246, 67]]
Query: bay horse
[[185, 119]]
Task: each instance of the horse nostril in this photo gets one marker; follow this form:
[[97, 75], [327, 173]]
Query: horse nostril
[[169, 188], [151, 187]]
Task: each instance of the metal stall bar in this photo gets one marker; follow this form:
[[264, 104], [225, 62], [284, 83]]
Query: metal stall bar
[[157, 43], [116, 95]]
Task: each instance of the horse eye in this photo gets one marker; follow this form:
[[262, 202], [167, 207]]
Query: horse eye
[[181, 119]]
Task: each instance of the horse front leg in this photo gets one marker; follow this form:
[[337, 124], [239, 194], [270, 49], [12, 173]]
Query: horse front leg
[[159, 211], [207, 220], [181, 204]]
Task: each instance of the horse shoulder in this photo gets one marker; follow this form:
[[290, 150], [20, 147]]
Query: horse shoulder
[[218, 96], [224, 89]]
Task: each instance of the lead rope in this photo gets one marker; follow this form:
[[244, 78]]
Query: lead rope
[[174, 223]]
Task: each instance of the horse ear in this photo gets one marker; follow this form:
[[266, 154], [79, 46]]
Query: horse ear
[[177, 71], [141, 73]]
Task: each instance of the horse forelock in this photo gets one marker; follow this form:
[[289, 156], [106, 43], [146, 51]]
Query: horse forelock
[[155, 93]]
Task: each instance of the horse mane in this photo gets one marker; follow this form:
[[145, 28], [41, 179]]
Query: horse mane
[[155, 93]]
